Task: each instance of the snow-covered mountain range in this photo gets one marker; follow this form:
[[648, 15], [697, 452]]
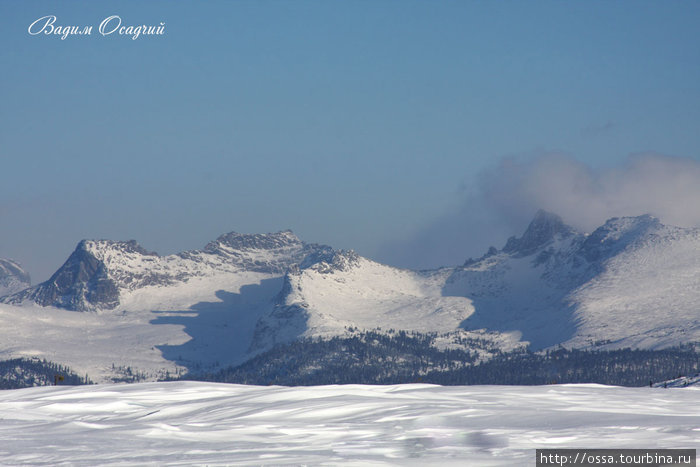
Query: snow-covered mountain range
[[100, 273], [631, 282]]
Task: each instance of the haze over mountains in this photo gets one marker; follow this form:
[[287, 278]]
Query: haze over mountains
[[631, 282]]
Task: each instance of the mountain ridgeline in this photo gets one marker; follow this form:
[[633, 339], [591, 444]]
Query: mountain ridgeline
[[99, 272], [632, 282]]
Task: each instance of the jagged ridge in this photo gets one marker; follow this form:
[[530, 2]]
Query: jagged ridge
[[98, 271]]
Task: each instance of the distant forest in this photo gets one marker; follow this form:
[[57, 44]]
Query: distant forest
[[381, 358], [23, 373], [391, 357]]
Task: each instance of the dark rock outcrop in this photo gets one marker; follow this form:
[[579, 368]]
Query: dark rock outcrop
[[543, 228]]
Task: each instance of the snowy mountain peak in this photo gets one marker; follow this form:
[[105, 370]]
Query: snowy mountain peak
[[101, 248], [619, 227], [342, 260], [81, 283], [12, 277], [542, 229], [618, 233]]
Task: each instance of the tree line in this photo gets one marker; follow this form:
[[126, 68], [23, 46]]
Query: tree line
[[27, 372], [395, 358]]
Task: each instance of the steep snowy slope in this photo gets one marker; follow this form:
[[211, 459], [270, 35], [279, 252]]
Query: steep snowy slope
[[648, 294], [524, 286], [12, 277], [632, 282], [350, 291]]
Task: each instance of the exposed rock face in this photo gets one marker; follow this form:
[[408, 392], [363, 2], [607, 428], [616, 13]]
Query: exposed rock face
[[270, 253], [81, 283], [542, 230], [237, 241], [338, 261]]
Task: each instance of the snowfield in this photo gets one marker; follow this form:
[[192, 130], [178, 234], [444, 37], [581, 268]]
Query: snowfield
[[187, 423]]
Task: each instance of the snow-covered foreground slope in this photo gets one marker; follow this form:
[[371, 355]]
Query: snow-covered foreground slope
[[187, 423]]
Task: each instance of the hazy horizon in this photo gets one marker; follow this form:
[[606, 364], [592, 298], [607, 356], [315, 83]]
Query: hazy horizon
[[416, 134]]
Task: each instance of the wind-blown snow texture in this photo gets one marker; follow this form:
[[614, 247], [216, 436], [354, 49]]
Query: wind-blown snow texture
[[187, 423], [631, 282]]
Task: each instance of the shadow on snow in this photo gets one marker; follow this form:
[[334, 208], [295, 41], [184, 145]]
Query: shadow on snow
[[544, 319], [221, 332]]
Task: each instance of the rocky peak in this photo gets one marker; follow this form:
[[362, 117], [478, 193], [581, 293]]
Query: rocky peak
[[342, 260], [82, 283], [99, 248], [314, 253], [238, 241], [542, 229]]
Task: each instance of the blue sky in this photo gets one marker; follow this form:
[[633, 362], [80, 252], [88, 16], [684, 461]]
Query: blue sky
[[361, 124]]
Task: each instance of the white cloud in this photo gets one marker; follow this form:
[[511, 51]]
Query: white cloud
[[664, 186], [506, 197]]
